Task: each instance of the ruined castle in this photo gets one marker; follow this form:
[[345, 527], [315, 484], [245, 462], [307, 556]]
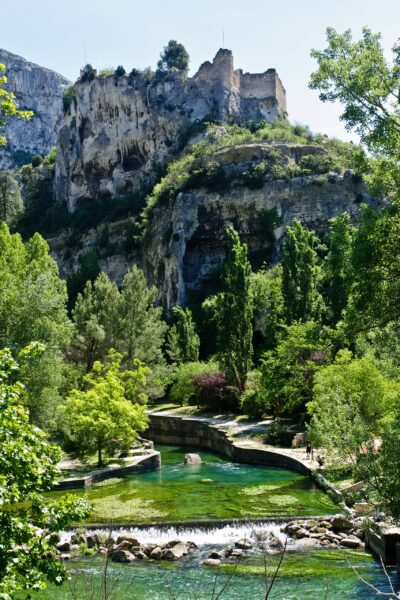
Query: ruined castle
[[118, 130]]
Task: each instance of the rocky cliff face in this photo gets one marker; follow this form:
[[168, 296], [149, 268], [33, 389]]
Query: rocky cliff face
[[119, 130], [188, 238], [37, 89]]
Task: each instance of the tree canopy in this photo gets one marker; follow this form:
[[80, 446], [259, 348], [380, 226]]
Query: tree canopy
[[174, 57], [28, 468]]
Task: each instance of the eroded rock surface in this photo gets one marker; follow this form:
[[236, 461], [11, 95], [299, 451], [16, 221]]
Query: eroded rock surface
[[41, 90]]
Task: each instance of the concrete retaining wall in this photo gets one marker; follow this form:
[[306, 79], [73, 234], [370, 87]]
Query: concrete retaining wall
[[185, 431], [148, 462]]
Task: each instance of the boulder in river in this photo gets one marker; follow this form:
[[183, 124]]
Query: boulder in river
[[243, 544], [176, 552], [122, 556], [192, 459]]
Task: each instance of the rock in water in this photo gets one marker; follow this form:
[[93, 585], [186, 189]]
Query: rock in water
[[192, 459]]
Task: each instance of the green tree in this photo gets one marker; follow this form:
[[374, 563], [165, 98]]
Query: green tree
[[174, 58], [351, 399], [141, 329], [125, 319], [300, 274], [375, 291], [11, 204], [287, 372], [234, 314], [33, 307], [337, 265], [183, 343], [183, 390], [266, 290], [357, 75], [110, 410], [29, 523], [95, 317], [380, 471], [8, 105]]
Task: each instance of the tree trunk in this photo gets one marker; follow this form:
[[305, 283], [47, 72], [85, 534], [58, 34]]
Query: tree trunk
[[99, 456]]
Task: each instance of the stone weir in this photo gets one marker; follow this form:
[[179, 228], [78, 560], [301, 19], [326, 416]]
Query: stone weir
[[187, 431]]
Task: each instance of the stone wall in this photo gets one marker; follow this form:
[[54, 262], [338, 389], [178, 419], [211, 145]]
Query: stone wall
[[149, 462], [185, 431]]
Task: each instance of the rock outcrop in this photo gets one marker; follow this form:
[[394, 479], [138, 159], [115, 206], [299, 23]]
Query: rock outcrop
[[187, 238], [37, 89], [119, 130]]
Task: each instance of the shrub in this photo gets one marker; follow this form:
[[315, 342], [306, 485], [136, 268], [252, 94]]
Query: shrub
[[88, 73], [68, 98], [279, 434], [211, 390], [119, 71], [183, 390], [36, 160], [106, 72], [252, 404]]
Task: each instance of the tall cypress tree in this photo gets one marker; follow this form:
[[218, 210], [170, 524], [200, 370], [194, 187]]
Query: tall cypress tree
[[235, 313], [300, 274], [337, 265]]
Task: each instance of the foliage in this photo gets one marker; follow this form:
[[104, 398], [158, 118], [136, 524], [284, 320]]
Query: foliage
[[28, 467], [266, 290], [68, 98], [234, 313], [288, 371], [375, 288], [11, 204], [358, 75], [183, 343], [380, 471], [110, 410], [211, 390], [119, 71], [32, 307], [174, 57], [351, 399], [337, 265], [252, 404], [300, 274], [88, 73], [125, 319], [8, 105], [88, 270], [183, 390]]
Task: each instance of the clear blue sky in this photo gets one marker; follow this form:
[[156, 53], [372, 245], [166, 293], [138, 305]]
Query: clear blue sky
[[261, 34]]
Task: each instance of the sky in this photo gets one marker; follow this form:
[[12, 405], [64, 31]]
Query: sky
[[64, 35]]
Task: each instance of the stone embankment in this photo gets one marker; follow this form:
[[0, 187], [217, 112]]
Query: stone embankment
[[148, 461], [214, 434]]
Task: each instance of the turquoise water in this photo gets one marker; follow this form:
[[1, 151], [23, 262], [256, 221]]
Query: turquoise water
[[315, 575], [215, 489]]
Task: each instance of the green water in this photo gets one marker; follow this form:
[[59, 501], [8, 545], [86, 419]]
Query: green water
[[320, 574], [215, 489]]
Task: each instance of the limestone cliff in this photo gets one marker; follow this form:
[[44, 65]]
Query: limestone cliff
[[188, 238], [120, 129], [37, 89]]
